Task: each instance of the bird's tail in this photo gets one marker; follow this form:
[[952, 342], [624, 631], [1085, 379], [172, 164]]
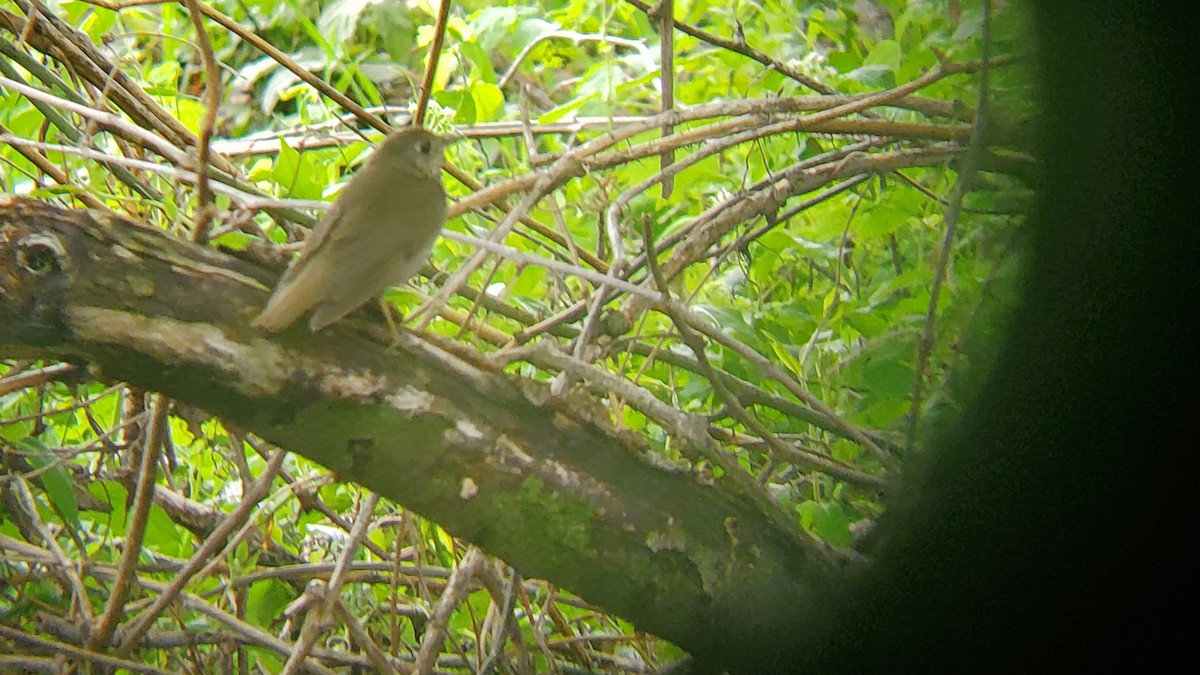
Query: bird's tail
[[295, 295]]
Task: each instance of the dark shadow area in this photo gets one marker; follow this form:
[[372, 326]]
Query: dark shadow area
[[1043, 530]]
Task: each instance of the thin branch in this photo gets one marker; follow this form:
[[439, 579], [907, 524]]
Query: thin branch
[[251, 634], [435, 52], [573, 163], [740, 47], [141, 623], [820, 197], [507, 623], [322, 136], [362, 638], [75, 406], [212, 102], [248, 528], [794, 387], [57, 38], [733, 471], [666, 37], [456, 591], [144, 497], [573, 36], [581, 158], [245, 200], [56, 647], [45, 166], [28, 505], [520, 257], [48, 78], [966, 175], [468, 267], [765, 199], [32, 378], [284, 60], [707, 150], [151, 141], [326, 604]]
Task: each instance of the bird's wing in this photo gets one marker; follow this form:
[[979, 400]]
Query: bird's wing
[[317, 238]]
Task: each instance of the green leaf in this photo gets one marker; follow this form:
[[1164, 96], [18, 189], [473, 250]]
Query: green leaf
[[297, 174], [885, 53], [881, 221], [969, 27], [601, 80], [565, 109], [888, 377], [831, 523], [113, 494], [163, 535], [55, 481], [830, 303], [883, 413], [530, 29], [877, 75], [481, 65], [488, 100], [339, 20], [530, 281], [396, 32], [493, 24], [784, 355], [461, 101], [866, 323], [843, 62], [267, 600]]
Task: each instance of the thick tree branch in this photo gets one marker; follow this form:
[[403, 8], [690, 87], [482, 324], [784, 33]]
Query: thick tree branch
[[492, 459]]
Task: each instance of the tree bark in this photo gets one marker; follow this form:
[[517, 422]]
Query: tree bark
[[537, 480]]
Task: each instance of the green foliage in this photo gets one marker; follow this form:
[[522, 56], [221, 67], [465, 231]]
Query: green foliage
[[835, 296]]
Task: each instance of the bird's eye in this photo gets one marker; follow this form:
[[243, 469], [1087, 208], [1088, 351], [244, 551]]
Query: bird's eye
[[424, 147]]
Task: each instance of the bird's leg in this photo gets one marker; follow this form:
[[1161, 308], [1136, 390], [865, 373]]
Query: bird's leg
[[393, 318]]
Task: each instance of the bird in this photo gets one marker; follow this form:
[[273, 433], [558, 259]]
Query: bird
[[378, 233]]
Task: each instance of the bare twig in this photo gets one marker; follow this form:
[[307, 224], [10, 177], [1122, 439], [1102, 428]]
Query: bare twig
[[24, 498], [212, 102], [362, 638], [246, 200], [455, 592], [251, 634], [321, 136], [575, 37], [59, 39], [759, 496], [127, 568], [330, 596], [284, 60], [56, 647], [141, 623], [48, 78], [774, 372], [59, 176], [520, 257], [791, 212], [156, 143], [507, 622], [664, 11], [435, 52], [966, 175], [32, 378], [740, 47], [766, 198]]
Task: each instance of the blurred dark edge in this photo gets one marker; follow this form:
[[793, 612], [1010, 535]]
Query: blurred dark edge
[[1044, 531]]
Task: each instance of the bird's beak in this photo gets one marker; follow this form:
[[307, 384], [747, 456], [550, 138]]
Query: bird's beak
[[452, 138]]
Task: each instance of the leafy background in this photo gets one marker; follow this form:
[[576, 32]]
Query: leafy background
[[836, 295]]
